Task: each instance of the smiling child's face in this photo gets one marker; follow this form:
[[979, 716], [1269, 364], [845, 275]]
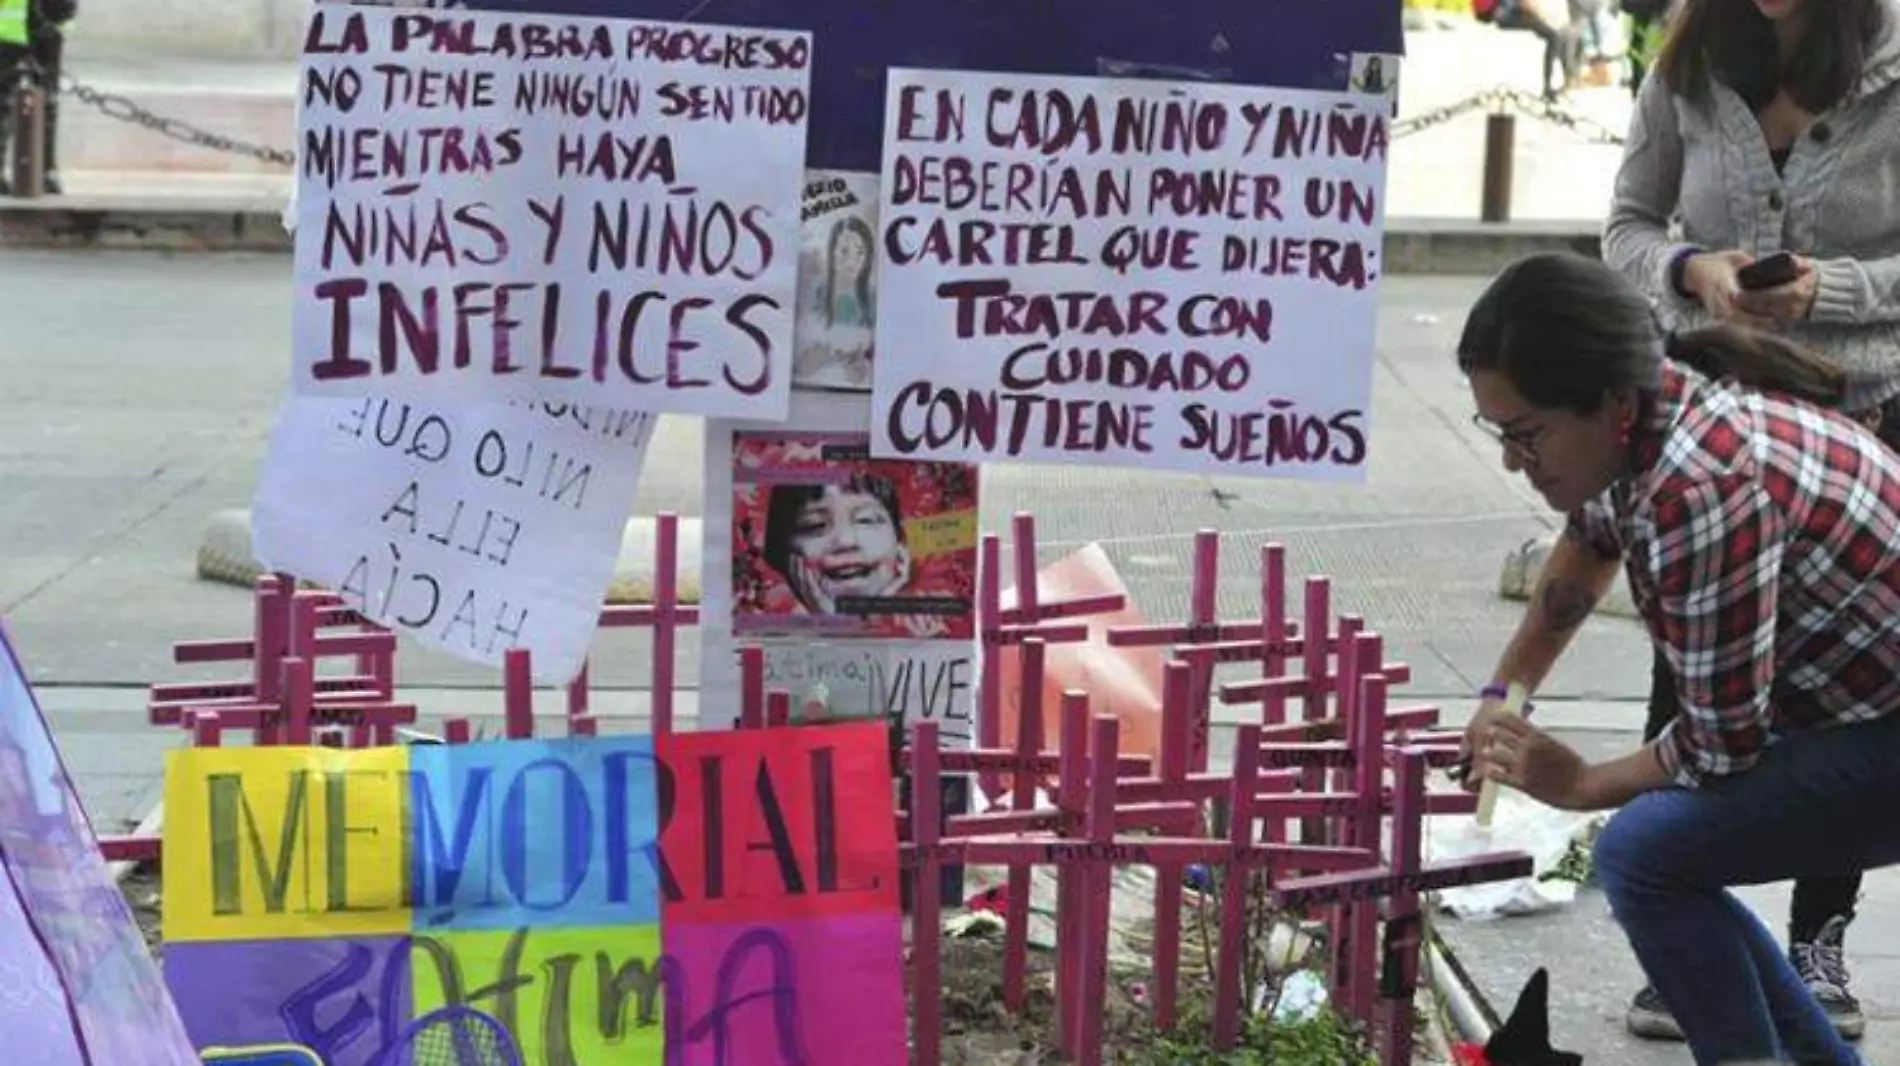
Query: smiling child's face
[[848, 542]]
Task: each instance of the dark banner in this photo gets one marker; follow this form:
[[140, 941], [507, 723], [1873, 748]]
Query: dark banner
[[1302, 44]]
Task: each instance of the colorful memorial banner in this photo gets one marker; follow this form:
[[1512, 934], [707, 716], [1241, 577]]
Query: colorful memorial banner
[[78, 986], [1170, 275], [508, 206], [688, 899]]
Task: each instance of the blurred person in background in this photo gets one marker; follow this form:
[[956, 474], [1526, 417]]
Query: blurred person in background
[[1646, 21], [1550, 21], [32, 41]]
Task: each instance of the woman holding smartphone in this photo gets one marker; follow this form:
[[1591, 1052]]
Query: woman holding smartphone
[[1770, 129]]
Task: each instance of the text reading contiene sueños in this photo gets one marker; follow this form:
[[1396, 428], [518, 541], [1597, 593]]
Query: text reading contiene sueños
[[511, 207], [1129, 273]]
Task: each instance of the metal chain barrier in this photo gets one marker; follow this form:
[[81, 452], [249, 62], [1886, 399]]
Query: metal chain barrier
[[125, 110], [1527, 104], [1494, 99]]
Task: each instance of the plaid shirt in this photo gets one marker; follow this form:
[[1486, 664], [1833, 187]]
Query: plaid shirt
[[1760, 535]]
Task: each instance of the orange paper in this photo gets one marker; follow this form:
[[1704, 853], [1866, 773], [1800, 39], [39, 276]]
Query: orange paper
[[1124, 682]]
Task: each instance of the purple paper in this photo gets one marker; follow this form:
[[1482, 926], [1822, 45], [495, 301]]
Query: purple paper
[[345, 998], [63, 915]]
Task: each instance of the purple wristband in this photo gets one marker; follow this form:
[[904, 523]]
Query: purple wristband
[[1494, 691], [1678, 267]]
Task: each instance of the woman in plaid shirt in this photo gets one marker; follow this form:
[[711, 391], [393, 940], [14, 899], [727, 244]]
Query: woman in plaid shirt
[[1760, 533]]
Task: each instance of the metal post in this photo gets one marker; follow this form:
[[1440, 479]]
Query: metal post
[[29, 136], [1500, 137]]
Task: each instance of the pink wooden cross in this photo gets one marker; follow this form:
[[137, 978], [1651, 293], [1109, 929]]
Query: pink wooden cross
[[288, 632], [666, 615], [1084, 861], [997, 628], [1401, 881]]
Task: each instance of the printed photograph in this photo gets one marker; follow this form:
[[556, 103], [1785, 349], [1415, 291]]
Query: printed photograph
[[1376, 75], [827, 540], [837, 288]]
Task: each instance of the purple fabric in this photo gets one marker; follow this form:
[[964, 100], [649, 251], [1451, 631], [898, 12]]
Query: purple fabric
[[33, 1010], [66, 915]]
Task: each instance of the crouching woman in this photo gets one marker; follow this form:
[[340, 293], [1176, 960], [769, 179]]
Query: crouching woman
[[1760, 532]]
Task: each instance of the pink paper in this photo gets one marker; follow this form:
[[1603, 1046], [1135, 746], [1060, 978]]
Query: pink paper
[[822, 991]]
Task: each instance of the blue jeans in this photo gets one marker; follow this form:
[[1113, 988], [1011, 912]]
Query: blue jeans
[[1818, 804]]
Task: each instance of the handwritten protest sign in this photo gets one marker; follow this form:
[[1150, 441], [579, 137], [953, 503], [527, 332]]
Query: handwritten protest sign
[[474, 528], [1114, 272], [855, 575], [519, 206], [685, 900], [77, 986], [902, 680]]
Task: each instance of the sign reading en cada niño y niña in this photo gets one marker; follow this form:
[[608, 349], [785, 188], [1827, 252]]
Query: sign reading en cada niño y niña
[[1129, 273]]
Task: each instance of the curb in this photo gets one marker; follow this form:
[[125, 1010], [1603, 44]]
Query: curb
[[154, 227], [1455, 246], [1412, 245]]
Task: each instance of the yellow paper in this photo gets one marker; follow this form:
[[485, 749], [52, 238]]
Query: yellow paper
[[547, 987], [285, 842], [940, 534]]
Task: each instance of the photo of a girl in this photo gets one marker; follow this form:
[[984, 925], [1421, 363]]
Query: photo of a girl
[[847, 289], [828, 540], [835, 543], [838, 313]]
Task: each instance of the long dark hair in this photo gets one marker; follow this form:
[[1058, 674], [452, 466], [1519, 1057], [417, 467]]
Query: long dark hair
[[1733, 43], [853, 226], [1569, 333]]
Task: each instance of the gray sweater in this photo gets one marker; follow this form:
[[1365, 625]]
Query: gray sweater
[[1837, 201]]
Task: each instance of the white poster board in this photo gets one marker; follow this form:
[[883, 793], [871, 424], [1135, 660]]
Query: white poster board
[[906, 652], [474, 529], [1174, 276], [500, 206]]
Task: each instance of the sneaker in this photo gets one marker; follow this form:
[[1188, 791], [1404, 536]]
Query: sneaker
[[1822, 965], [1650, 1019]]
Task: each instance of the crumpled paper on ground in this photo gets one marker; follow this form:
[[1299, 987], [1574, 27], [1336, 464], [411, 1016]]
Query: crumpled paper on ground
[[1519, 823]]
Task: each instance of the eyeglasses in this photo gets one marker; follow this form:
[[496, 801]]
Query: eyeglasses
[[1522, 441]]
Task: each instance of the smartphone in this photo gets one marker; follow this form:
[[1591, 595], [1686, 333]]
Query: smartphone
[[1776, 270]]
